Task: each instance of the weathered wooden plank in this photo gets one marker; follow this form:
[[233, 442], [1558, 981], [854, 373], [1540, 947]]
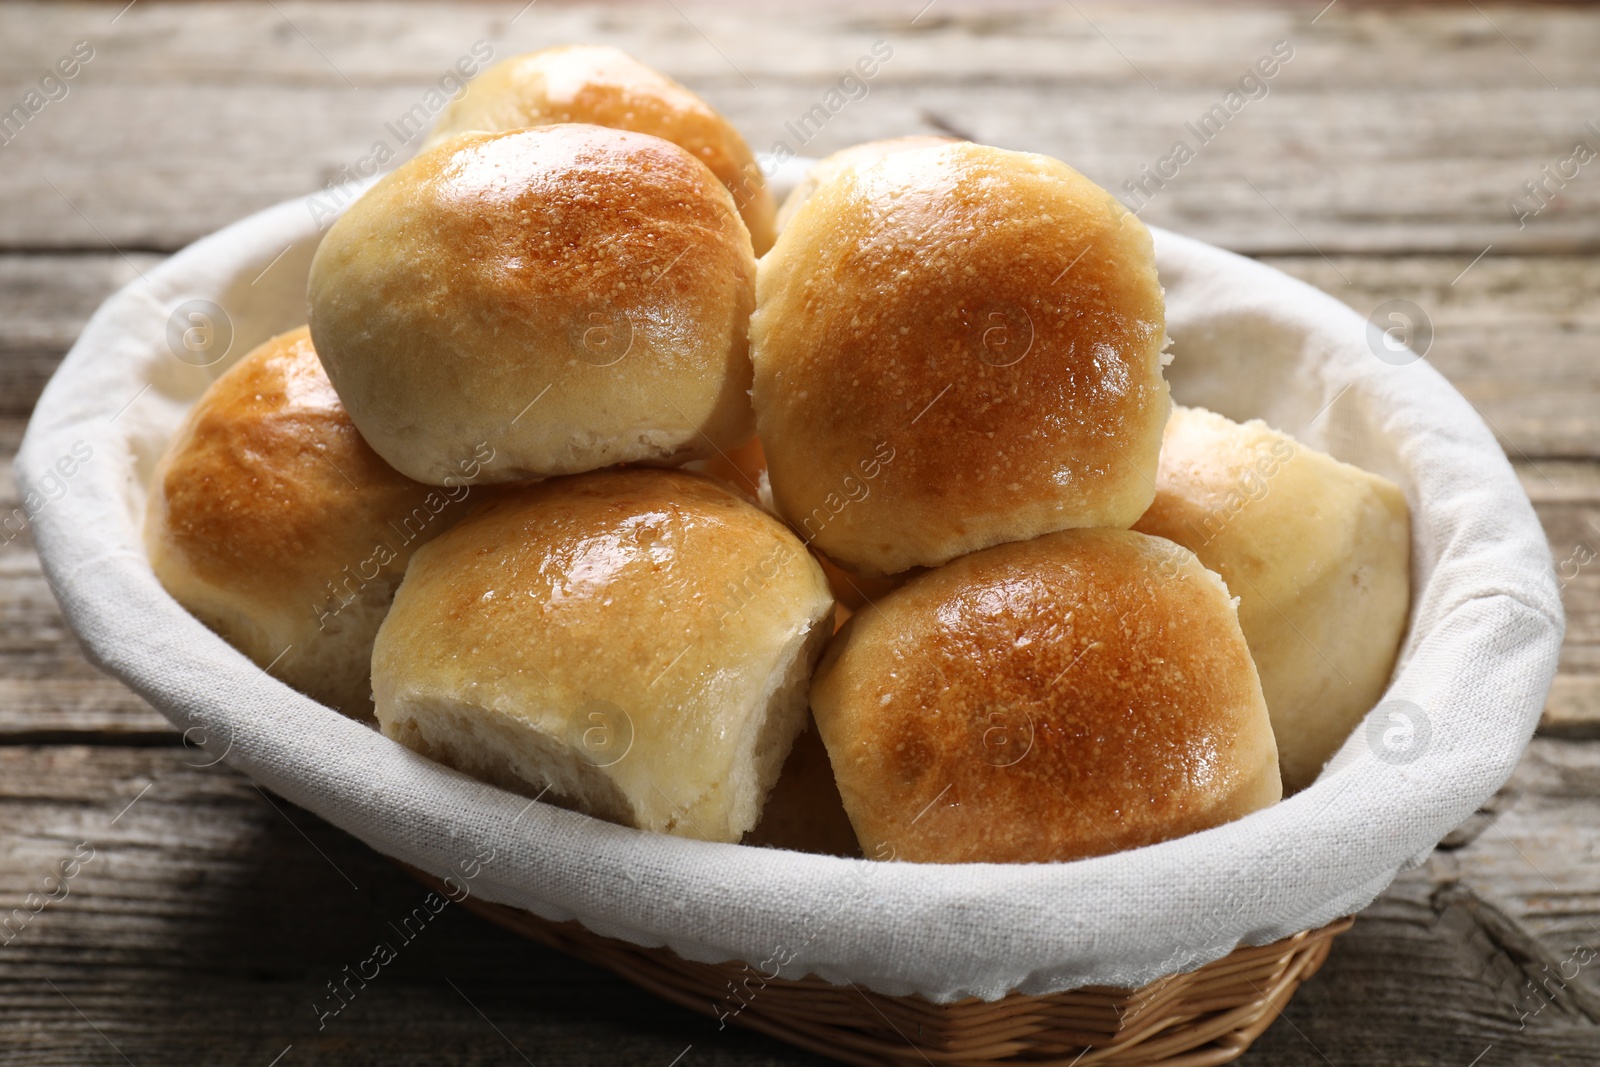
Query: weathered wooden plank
[[205, 926], [1567, 497], [46, 299], [47, 687], [229, 108], [1174, 43], [44, 303], [1389, 132], [201, 876]]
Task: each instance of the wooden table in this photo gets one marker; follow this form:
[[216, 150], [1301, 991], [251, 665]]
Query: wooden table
[[1380, 164]]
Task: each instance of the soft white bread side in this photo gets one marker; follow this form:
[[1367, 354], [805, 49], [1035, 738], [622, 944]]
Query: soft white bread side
[[639, 642], [272, 522], [1318, 553], [860, 155], [1041, 701], [955, 347], [604, 86], [561, 299]]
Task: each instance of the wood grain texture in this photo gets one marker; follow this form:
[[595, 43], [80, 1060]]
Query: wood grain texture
[[1378, 166], [1392, 132], [211, 916]]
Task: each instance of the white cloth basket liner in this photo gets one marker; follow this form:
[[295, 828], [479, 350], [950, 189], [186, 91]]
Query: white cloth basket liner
[[1485, 631]]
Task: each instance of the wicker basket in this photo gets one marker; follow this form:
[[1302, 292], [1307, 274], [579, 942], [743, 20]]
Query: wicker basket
[[1205, 1017]]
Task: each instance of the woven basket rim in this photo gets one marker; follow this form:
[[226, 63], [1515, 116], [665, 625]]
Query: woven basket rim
[[1195, 1018]]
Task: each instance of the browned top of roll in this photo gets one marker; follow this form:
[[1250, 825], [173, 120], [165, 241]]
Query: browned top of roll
[[993, 320], [857, 155], [269, 491], [606, 265], [664, 596], [1074, 695], [607, 87]]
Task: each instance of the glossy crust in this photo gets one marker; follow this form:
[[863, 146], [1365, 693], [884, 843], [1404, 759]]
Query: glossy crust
[[565, 298], [1318, 553], [638, 641], [271, 520], [1079, 694], [856, 156], [956, 347], [603, 86]]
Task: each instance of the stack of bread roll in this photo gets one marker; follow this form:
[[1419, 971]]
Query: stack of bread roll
[[888, 542]]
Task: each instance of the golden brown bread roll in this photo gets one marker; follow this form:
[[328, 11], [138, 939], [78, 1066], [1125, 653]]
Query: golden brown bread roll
[[565, 298], [956, 347], [272, 522], [1318, 553], [1078, 694], [606, 87], [861, 155], [637, 641]]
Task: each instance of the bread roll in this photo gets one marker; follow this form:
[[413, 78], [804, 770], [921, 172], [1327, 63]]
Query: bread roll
[[861, 155], [271, 521], [636, 641], [956, 347], [1078, 694], [606, 87], [1318, 553], [561, 298]]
